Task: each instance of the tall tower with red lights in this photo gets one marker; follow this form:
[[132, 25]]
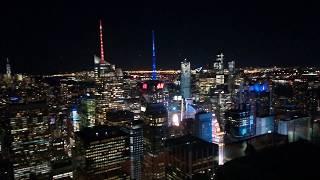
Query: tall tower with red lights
[[101, 43]]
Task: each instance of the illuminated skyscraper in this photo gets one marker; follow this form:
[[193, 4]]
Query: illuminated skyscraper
[[105, 151], [185, 86], [155, 132], [204, 126], [239, 122], [87, 111], [218, 64], [109, 79], [30, 140], [231, 67], [96, 61], [125, 120], [8, 69]]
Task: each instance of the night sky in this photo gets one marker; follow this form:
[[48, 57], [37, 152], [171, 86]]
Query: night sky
[[57, 37]]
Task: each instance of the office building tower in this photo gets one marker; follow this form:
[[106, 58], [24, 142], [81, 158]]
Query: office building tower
[[75, 118], [218, 64], [8, 69], [231, 67], [185, 81], [260, 95], [105, 153], [29, 129], [87, 111], [203, 127], [155, 132], [5, 165], [204, 85], [109, 92], [239, 122], [113, 93], [96, 61], [134, 128], [60, 145]]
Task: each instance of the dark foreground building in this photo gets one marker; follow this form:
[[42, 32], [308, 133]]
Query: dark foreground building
[[190, 157], [298, 160]]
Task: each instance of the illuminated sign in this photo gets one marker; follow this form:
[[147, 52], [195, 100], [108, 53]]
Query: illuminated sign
[[160, 85], [144, 86], [175, 120], [259, 87]]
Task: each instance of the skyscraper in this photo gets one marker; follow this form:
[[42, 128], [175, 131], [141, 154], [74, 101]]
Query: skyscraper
[[8, 69], [155, 132], [105, 152], [30, 140], [185, 86], [218, 64], [134, 128]]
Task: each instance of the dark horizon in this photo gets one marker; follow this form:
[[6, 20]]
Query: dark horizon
[[63, 37]]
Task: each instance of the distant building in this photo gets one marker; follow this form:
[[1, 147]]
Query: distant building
[[8, 69], [295, 127], [218, 65], [264, 125], [239, 123], [185, 80]]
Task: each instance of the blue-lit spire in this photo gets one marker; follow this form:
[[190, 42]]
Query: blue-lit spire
[[154, 71]]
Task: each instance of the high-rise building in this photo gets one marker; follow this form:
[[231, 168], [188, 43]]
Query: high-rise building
[[5, 165], [155, 132], [105, 153], [134, 128], [231, 67], [185, 81], [218, 64], [110, 85], [204, 126], [30, 134], [239, 122], [8, 69], [87, 110]]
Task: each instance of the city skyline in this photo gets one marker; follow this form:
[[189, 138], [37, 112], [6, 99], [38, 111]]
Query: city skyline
[[64, 37]]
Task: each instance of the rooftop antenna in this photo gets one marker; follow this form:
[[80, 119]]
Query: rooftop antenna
[[101, 43], [154, 71]]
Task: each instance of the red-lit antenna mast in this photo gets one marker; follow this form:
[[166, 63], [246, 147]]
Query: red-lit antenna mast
[[101, 44]]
